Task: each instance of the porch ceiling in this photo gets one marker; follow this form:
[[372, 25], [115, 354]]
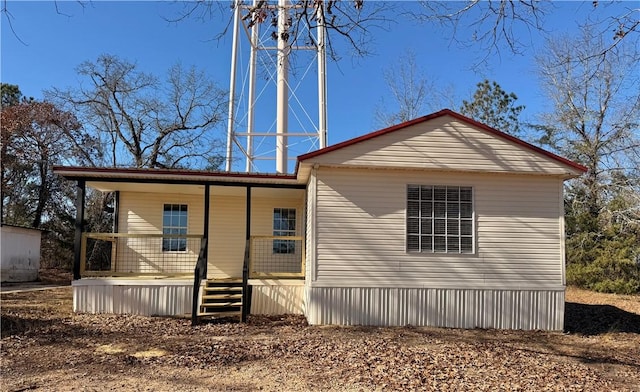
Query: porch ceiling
[[192, 189], [147, 188]]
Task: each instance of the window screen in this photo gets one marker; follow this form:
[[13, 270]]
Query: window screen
[[174, 221], [439, 219], [284, 224]]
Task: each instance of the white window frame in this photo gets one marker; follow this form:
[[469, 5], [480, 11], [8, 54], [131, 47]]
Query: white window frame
[[180, 243], [284, 246], [437, 224]]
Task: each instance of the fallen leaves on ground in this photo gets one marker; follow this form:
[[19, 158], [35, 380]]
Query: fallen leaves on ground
[[47, 347]]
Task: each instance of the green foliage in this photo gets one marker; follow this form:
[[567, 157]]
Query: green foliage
[[603, 244], [607, 264], [493, 106], [618, 286], [601, 276], [11, 94], [592, 120]]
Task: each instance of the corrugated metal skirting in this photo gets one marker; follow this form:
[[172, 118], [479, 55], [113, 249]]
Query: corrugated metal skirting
[[455, 308], [141, 299]]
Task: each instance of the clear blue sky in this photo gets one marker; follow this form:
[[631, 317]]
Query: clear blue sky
[[54, 44]]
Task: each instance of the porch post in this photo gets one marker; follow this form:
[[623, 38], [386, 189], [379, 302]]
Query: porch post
[[200, 271], [116, 210], [77, 256], [205, 231], [248, 215], [246, 289]]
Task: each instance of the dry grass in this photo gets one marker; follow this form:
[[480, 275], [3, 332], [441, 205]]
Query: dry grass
[[628, 303], [47, 347]]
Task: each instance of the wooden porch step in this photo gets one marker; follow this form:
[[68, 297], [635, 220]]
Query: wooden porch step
[[229, 281], [222, 288], [220, 314], [221, 304], [205, 309], [221, 296], [223, 285]]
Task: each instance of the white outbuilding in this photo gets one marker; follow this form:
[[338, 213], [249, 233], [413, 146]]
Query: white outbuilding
[[20, 253]]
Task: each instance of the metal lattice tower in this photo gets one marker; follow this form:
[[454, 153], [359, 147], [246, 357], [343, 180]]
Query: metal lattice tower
[[277, 33]]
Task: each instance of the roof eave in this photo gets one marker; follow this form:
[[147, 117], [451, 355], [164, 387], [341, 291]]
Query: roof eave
[[173, 176]]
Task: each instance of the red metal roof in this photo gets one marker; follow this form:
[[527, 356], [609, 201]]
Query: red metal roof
[[172, 172], [444, 112], [180, 175]]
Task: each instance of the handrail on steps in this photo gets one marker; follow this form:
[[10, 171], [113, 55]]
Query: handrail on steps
[[199, 273], [246, 296]]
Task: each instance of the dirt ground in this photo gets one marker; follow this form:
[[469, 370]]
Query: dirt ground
[[45, 347], [47, 278]]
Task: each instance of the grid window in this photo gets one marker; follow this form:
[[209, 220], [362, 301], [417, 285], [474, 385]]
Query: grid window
[[284, 224], [174, 221], [439, 219]]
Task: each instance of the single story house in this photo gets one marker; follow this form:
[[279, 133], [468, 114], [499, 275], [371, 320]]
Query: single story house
[[439, 221]]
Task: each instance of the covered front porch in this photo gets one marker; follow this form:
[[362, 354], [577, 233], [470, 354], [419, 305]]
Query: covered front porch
[[136, 255], [191, 242]]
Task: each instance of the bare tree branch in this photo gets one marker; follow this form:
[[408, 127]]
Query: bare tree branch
[[492, 23], [353, 21], [155, 123], [594, 120], [9, 17]]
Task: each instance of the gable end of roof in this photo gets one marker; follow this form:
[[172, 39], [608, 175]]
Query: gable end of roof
[[441, 113]]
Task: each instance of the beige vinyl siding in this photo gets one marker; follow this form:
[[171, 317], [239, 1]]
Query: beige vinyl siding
[[141, 213], [262, 216], [361, 231], [310, 233], [262, 213], [228, 227], [227, 236], [443, 144], [562, 244]]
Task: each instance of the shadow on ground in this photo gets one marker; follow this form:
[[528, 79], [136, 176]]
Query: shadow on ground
[[16, 325], [599, 319]]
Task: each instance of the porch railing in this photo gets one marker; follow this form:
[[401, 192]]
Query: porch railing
[[121, 254], [276, 257]]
